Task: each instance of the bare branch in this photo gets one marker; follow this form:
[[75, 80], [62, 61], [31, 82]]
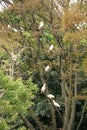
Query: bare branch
[[82, 115]]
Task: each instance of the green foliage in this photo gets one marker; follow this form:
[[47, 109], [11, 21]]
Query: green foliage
[[48, 38], [17, 97], [27, 35], [3, 125], [67, 60]]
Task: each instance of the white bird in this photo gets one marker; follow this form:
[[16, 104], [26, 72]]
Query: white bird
[[22, 29], [9, 26], [15, 30], [50, 96], [41, 24], [51, 47], [56, 104], [43, 88], [47, 68]]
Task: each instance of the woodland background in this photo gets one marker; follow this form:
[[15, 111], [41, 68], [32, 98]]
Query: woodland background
[[25, 54]]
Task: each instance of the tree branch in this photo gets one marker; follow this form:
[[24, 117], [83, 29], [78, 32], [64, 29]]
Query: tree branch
[[39, 124], [27, 123], [82, 115]]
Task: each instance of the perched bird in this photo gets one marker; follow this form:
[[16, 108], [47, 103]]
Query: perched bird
[[50, 96], [15, 30], [22, 29], [41, 24], [47, 68], [9, 26], [56, 104], [51, 47], [43, 88]]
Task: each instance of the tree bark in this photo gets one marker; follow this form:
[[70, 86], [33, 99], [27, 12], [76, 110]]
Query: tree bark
[[72, 117], [27, 123], [39, 124], [67, 113], [82, 115]]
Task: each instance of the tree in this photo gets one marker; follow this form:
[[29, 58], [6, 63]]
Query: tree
[[15, 98], [64, 28]]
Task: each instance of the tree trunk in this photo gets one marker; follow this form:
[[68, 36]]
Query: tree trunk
[[82, 115], [26, 122], [67, 112], [39, 124], [72, 117]]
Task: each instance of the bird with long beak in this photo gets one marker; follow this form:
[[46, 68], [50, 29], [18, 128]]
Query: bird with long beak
[[50, 96], [41, 24], [51, 48], [9, 26], [47, 68], [15, 30], [55, 104], [43, 89]]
